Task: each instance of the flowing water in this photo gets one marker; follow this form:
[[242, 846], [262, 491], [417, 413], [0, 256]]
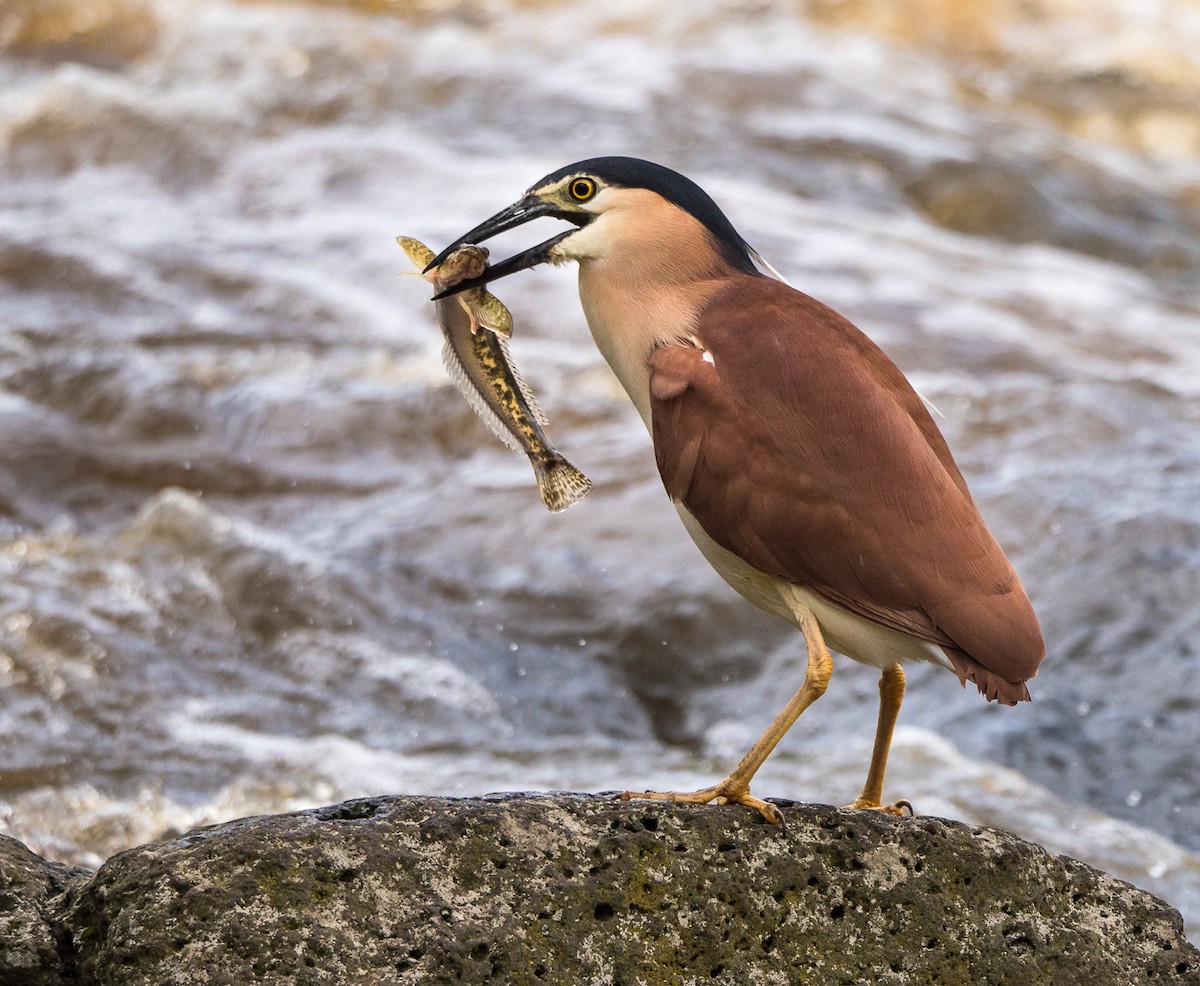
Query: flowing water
[[257, 553]]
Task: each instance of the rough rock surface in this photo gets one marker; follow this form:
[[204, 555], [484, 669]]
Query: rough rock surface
[[570, 889], [32, 891]]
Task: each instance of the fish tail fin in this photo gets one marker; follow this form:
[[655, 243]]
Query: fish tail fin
[[560, 484]]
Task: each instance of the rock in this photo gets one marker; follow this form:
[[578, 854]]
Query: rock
[[32, 942], [583, 889]]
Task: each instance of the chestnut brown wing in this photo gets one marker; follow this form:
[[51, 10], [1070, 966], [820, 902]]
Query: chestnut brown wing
[[810, 456]]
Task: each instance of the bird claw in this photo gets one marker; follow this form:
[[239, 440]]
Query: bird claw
[[898, 808], [769, 812]]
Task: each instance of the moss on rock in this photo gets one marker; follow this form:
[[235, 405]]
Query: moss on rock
[[550, 889]]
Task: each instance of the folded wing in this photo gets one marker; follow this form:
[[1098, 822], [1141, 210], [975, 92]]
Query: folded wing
[[810, 456]]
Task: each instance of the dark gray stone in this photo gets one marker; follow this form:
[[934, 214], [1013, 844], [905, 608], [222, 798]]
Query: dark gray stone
[[530, 889], [33, 943]]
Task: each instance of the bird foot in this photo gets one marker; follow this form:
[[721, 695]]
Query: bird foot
[[719, 793], [899, 808]]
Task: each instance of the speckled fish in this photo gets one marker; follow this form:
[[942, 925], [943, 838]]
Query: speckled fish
[[480, 365]]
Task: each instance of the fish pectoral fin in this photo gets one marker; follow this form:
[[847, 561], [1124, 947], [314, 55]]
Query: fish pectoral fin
[[416, 251], [497, 327], [494, 316]]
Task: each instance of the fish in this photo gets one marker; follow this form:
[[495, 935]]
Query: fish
[[476, 325], [483, 308]]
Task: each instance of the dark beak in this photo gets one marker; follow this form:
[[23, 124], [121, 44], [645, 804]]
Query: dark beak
[[517, 214]]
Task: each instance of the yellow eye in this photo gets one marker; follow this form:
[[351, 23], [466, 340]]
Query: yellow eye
[[582, 189]]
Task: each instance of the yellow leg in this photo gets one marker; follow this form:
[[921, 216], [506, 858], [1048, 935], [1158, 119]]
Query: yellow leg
[[891, 694], [735, 789]]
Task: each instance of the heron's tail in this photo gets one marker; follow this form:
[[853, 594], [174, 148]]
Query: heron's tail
[[991, 686]]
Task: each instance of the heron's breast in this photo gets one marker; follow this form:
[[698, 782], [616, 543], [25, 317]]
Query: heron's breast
[[629, 312]]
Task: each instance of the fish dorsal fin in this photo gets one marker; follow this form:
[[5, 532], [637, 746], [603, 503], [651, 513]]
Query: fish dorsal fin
[[479, 405], [534, 408]]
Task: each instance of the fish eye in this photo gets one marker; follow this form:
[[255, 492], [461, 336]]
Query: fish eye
[[582, 189]]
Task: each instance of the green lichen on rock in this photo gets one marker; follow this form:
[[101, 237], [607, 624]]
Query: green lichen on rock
[[556, 889]]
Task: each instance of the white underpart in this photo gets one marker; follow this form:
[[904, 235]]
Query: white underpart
[[847, 633]]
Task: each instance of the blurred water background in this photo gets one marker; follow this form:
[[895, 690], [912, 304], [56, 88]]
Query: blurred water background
[[258, 554]]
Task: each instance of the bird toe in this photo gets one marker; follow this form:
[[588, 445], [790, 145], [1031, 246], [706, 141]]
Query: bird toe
[[899, 808]]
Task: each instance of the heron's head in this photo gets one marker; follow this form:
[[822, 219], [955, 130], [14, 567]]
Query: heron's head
[[616, 204]]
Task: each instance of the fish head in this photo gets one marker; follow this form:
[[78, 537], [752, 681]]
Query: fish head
[[461, 264]]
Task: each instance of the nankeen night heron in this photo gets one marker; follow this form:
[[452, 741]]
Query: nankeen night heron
[[801, 461]]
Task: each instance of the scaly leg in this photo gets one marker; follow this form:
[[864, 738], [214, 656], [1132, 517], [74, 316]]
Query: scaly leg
[[735, 789], [891, 694]]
